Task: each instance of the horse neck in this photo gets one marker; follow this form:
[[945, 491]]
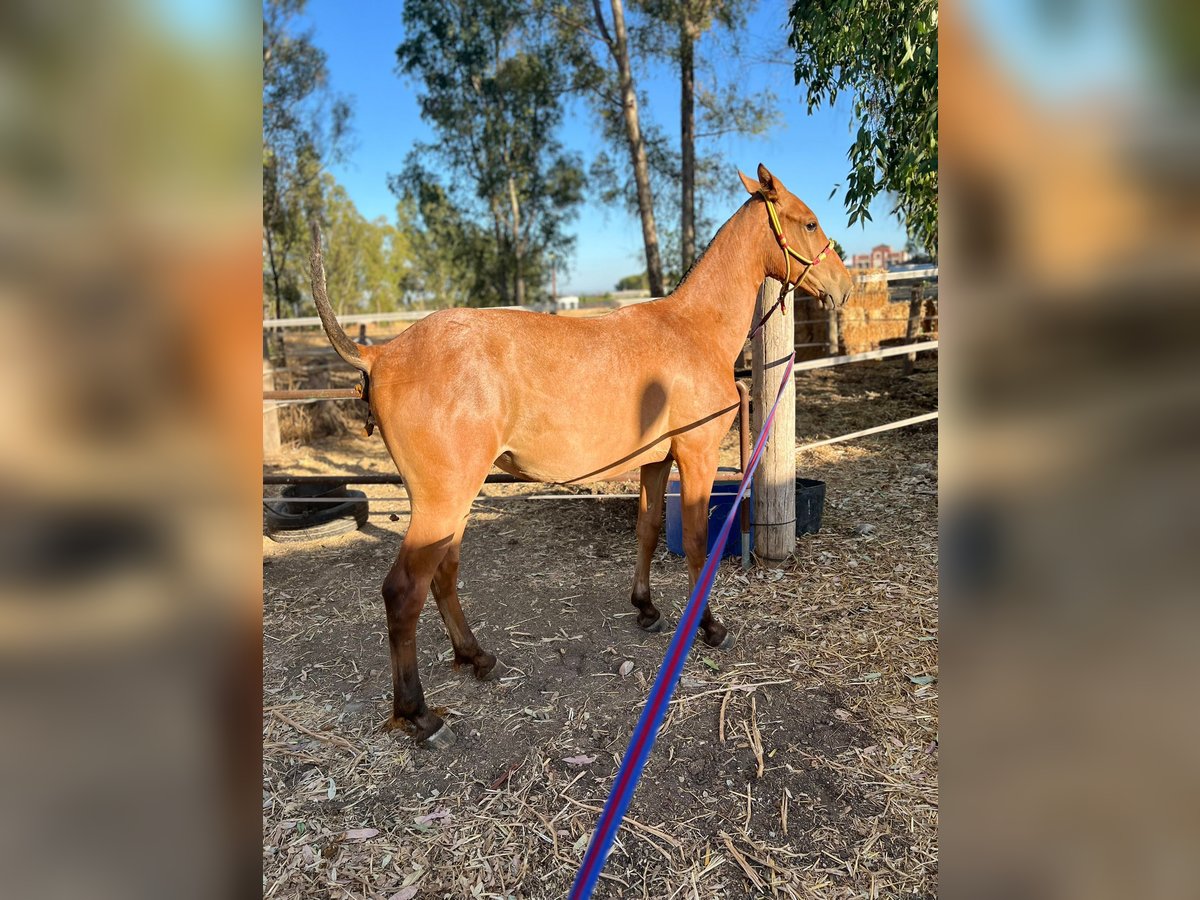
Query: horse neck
[[717, 297]]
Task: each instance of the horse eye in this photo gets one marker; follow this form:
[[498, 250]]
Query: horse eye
[[811, 226]]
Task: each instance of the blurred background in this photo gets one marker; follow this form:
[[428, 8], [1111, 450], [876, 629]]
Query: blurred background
[[129, 315], [1070, 221], [131, 290]]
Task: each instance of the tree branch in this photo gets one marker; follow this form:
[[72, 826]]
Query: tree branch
[[580, 27], [605, 36]]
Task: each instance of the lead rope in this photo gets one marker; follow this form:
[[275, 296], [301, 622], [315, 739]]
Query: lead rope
[[646, 730], [778, 304]]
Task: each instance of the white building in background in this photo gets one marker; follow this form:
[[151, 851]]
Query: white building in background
[[566, 303], [635, 294]]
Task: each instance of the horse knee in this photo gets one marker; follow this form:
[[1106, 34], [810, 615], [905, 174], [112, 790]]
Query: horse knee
[[695, 545]]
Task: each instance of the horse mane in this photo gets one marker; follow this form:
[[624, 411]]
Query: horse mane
[[700, 255]]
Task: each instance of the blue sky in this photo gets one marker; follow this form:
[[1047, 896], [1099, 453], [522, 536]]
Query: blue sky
[[807, 152], [1070, 52]]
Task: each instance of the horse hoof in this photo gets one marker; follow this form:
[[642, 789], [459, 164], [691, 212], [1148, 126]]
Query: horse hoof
[[728, 643], [483, 665], [441, 739], [658, 626]]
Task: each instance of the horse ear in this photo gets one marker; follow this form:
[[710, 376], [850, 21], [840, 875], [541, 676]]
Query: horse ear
[[752, 186], [770, 187]]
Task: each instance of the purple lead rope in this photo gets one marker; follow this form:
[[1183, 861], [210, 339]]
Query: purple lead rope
[[646, 731], [778, 304]]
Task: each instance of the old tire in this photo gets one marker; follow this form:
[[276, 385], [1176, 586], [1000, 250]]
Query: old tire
[[285, 523]]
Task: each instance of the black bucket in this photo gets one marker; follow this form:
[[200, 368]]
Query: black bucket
[[810, 503]]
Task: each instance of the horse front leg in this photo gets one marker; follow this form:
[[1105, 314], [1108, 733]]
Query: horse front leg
[[697, 470], [649, 526]]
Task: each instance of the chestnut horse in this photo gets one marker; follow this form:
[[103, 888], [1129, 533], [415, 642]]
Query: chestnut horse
[[568, 401]]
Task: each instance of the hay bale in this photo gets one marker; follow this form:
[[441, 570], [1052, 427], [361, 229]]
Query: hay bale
[[308, 421], [870, 319]]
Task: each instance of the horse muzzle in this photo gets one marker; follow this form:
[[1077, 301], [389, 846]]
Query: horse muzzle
[[830, 301]]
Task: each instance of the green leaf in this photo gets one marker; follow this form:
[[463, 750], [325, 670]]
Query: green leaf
[[922, 679], [885, 53]]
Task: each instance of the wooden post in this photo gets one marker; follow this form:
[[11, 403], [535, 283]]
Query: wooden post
[[832, 324], [270, 414], [912, 329], [775, 480]]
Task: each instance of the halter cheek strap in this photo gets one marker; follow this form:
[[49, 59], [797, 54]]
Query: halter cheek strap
[[789, 254]]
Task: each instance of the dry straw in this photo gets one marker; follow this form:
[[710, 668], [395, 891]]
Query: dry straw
[[828, 743]]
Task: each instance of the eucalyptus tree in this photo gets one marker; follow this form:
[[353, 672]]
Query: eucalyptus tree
[[674, 29], [491, 85], [598, 48], [884, 53], [616, 45], [455, 260], [305, 126], [367, 261]]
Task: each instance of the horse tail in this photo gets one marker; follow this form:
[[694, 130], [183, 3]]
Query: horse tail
[[346, 348]]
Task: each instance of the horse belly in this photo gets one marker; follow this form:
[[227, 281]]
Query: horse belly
[[578, 470], [572, 445]]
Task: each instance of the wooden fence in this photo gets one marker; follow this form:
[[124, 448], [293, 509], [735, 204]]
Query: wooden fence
[[774, 486]]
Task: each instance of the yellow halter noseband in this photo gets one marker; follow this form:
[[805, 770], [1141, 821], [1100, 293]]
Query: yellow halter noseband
[[788, 253]]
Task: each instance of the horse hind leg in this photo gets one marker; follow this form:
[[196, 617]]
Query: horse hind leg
[[443, 468], [649, 525], [445, 591], [404, 591]]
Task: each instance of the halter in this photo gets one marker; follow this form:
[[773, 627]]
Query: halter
[[788, 255]]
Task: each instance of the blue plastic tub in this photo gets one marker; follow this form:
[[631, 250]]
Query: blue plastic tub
[[718, 507]]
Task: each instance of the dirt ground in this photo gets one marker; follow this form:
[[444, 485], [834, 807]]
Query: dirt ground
[[802, 763]]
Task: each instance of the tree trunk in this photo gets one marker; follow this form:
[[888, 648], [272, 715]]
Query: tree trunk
[[274, 271], [637, 149], [270, 211], [518, 245], [498, 231], [687, 141], [274, 347]]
